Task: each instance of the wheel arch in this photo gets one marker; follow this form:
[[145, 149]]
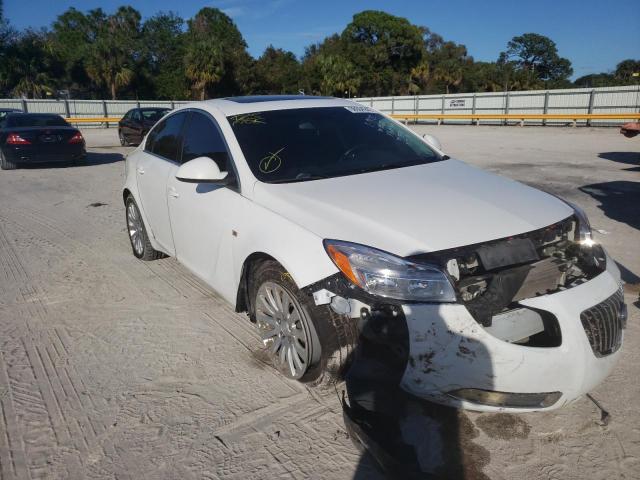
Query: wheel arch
[[243, 302]]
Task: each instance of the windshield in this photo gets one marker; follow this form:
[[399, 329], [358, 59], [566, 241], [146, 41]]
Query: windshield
[[30, 120], [153, 115], [310, 143]]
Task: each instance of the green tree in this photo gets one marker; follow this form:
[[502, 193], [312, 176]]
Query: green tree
[[112, 56], [216, 60], [537, 55], [162, 56], [449, 62], [384, 49], [32, 65], [277, 71], [625, 71], [72, 36], [338, 76], [483, 77]]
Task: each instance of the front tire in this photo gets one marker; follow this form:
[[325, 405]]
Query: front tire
[[305, 342], [138, 236], [6, 164], [123, 140]]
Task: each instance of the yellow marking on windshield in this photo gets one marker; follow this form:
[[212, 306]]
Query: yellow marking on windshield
[[271, 162], [248, 119]]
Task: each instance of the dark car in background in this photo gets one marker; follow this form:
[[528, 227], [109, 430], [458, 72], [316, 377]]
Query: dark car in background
[[6, 111], [30, 138], [137, 122]]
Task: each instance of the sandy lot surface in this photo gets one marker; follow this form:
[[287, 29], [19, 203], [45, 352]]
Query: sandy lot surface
[[115, 368]]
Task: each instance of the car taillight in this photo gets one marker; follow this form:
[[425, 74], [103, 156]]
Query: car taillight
[[77, 138], [15, 139]]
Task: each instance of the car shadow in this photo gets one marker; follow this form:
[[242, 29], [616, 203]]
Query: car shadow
[[619, 200], [628, 158], [627, 275], [92, 159], [400, 435]]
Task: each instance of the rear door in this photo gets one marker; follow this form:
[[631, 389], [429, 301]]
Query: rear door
[[125, 125], [160, 157], [137, 126], [202, 213]]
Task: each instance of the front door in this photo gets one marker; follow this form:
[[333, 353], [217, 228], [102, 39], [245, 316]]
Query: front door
[[159, 160], [202, 213]]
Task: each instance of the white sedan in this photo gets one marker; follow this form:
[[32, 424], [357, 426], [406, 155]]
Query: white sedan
[[319, 216]]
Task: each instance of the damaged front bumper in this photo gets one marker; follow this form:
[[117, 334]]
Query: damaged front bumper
[[455, 361], [443, 354]]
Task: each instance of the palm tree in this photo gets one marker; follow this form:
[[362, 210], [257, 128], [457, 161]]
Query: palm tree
[[106, 67], [30, 63], [418, 78], [338, 75], [204, 66], [111, 58], [449, 72]]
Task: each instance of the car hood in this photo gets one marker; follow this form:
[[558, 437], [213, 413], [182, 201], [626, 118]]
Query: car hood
[[416, 209]]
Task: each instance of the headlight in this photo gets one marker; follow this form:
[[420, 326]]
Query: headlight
[[386, 275], [583, 233]]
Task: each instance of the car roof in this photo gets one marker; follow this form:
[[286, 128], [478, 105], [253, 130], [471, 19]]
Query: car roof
[[260, 103], [153, 108]]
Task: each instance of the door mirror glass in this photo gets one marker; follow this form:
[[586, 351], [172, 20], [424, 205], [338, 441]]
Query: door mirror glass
[[433, 141], [201, 170]]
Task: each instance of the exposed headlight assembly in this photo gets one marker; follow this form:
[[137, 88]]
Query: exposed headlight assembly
[[383, 274], [583, 234]]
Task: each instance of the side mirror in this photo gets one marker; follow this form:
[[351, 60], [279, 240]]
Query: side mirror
[[201, 170], [433, 141]]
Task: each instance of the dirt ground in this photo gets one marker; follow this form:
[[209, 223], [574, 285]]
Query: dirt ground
[[115, 368]]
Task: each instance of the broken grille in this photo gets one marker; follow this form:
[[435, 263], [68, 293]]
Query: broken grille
[[603, 324]]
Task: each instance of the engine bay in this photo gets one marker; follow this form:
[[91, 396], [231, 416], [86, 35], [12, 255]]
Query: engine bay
[[492, 277]]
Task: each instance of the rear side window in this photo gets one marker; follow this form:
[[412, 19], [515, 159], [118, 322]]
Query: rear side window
[[165, 139], [202, 138]]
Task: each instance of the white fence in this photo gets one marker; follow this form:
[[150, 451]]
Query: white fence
[[84, 108], [615, 100]]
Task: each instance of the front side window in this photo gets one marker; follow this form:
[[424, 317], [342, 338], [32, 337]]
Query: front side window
[[309, 143], [203, 139], [165, 139]]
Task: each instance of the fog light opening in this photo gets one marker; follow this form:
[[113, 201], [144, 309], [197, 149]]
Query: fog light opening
[[506, 399]]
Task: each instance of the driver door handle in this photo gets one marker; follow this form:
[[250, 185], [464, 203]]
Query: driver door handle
[[140, 170], [173, 193]]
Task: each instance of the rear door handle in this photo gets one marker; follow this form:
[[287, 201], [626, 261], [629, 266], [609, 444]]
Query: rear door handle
[[141, 170], [173, 193]]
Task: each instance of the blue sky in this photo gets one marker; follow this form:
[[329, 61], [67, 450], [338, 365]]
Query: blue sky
[[594, 34]]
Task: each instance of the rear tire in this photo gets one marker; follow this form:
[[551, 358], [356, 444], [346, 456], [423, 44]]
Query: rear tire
[[6, 164], [138, 237], [331, 338], [123, 140]]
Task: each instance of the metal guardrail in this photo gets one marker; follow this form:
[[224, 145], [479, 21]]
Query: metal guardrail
[[93, 119], [521, 117]]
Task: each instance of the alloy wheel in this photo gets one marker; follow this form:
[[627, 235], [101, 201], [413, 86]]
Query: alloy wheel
[[284, 329], [135, 227]]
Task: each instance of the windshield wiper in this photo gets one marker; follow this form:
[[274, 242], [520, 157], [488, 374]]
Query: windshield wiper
[[303, 177]]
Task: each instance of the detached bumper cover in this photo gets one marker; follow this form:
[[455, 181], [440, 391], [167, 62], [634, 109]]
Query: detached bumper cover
[[449, 351]]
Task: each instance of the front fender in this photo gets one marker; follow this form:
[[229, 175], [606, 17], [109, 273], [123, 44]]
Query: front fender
[[298, 250]]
